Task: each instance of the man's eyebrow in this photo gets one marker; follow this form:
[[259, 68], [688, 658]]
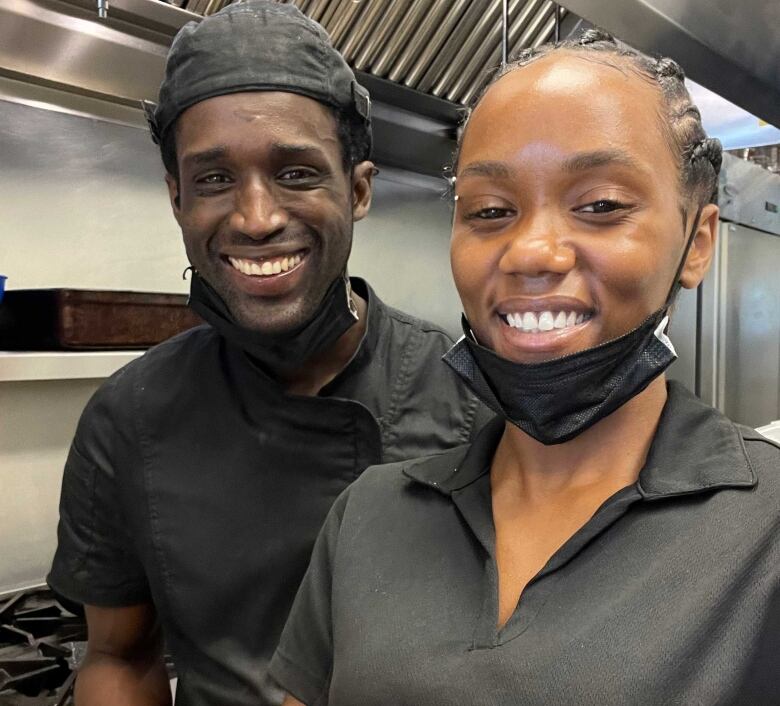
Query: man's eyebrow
[[288, 148], [220, 151], [583, 161], [206, 156], [494, 170]]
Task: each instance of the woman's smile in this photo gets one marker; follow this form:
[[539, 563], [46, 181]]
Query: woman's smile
[[554, 326]]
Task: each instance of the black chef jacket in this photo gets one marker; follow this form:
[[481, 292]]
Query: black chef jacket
[[195, 482], [670, 593]]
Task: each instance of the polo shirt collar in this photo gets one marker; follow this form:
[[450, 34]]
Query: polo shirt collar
[[460, 466], [695, 449]]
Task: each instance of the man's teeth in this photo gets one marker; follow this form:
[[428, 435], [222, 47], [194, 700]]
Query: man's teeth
[[267, 267], [532, 322]]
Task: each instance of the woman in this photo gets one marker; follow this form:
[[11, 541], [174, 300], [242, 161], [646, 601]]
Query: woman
[[608, 539]]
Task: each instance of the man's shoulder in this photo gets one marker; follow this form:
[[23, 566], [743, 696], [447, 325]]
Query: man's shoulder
[[168, 360], [405, 324]]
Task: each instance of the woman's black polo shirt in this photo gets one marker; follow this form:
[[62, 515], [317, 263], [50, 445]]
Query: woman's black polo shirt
[[195, 482], [670, 594]]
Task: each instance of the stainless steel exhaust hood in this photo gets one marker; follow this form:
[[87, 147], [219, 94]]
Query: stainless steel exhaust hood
[[421, 59]]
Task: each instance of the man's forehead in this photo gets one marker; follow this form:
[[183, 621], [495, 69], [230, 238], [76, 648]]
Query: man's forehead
[[265, 116]]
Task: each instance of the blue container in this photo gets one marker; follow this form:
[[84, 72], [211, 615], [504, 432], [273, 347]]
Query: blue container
[[3, 278]]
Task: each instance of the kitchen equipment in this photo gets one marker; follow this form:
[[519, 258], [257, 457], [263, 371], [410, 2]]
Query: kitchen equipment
[[57, 319], [41, 644]]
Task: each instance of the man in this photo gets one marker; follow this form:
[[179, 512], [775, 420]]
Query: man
[[200, 474]]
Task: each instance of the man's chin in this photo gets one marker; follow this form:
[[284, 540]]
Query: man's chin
[[267, 319]]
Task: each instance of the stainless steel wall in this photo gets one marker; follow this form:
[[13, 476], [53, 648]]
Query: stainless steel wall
[[740, 326]]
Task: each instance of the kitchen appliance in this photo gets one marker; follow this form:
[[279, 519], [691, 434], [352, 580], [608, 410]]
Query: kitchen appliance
[[728, 331], [41, 644], [43, 640]]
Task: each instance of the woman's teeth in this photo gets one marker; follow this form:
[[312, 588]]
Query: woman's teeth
[[267, 267], [533, 322]]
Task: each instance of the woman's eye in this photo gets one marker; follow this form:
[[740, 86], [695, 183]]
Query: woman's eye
[[602, 206], [491, 213]]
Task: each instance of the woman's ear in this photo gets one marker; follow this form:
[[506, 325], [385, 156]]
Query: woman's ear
[[362, 185], [702, 249]]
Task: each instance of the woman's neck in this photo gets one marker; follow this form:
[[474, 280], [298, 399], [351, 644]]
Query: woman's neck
[[610, 454]]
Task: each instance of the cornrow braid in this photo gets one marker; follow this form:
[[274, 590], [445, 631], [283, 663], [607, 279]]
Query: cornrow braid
[[698, 157]]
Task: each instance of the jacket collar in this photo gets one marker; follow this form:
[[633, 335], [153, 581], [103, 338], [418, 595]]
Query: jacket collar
[[376, 316], [695, 449]]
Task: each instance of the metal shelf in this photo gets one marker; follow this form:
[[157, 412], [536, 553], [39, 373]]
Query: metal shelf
[[58, 365]]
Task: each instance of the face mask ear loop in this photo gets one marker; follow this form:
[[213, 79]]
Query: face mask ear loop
[[676, 284]]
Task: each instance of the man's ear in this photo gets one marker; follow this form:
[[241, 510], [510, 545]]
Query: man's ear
[[173, 194], [702, 249], [362, 185]]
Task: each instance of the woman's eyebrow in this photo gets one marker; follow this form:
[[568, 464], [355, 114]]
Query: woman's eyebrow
[[583, 161], [495, 170]]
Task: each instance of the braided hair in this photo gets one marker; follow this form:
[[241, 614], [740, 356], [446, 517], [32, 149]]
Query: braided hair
[[699, 157]]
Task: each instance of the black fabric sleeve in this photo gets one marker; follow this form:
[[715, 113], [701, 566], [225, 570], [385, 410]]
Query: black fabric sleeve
[[303, 661], [96, 561]]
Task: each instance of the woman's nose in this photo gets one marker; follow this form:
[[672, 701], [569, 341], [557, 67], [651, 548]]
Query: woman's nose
[[257, 212], [535, 251]]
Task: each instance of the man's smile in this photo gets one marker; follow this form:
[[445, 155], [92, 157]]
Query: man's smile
[[267, 267], [268, 275]]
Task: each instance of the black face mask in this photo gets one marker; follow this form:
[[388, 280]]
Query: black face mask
[[556, 400], [285, 351]]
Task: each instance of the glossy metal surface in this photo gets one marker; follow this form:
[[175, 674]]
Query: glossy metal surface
[[531, 27], [40, 41], [403, 34], [420, 38], [749, 195], [435, 42], [751, 355], [739, 370], [730, 47]]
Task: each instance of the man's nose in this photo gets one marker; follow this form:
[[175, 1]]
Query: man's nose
[[538, 249], [257, 212]]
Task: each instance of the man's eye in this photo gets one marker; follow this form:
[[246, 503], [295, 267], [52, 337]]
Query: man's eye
[[491, 213], [602, 206], [214, 179], [297, 174]]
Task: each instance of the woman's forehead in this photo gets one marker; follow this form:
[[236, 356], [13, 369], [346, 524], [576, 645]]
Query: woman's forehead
[[571, 103]]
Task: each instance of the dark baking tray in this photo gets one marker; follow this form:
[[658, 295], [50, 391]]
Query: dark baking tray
[[84, 319]]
